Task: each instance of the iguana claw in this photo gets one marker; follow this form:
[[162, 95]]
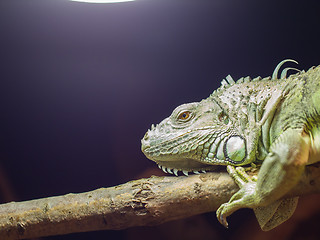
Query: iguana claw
[[221, 217], [242, 198]]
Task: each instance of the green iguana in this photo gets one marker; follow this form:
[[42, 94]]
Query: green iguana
[[270, 122]]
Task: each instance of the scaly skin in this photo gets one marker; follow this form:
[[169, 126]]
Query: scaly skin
[[270, 122]]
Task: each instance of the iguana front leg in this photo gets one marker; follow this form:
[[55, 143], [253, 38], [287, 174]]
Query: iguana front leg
[[280, 171]]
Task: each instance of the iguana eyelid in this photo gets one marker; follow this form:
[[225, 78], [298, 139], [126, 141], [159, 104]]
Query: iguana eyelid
[[188, 117]]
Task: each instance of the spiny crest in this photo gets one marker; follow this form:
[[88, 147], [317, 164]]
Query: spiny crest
[[228, 81]]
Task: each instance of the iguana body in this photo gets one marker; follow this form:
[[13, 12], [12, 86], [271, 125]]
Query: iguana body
[[270, 122]]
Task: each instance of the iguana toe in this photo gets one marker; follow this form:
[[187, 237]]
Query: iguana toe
[[222, 218]]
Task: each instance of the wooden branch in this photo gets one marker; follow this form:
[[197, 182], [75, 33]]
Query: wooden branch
[[142, 202]]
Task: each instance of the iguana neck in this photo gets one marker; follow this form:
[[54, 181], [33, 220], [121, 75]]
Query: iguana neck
[[253, 109]]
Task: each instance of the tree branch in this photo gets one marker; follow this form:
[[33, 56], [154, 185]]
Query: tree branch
[[141, 202]]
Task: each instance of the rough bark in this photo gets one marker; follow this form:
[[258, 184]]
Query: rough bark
[[141, 202]]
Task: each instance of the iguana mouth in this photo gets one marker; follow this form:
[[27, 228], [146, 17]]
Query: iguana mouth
[[174, 165]]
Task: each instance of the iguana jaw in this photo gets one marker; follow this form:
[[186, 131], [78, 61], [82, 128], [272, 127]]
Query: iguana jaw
[[193, 160], [170, 162]]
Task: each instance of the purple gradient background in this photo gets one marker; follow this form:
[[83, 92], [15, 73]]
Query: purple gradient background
[[81, 83]]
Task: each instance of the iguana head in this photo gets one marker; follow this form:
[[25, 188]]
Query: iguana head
[[223, 129], [195, 137]]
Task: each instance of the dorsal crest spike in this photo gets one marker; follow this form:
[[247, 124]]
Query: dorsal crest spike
[[285, 71], [276, 70], [256, 79], [224, 83], [240, 80], [230, 80], [247, 79]]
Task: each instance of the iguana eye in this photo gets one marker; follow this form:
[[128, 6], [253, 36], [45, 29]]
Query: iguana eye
[[184, 115], [223, 118]]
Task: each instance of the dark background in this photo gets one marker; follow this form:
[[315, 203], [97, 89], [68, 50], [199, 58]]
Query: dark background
[[81, 83]]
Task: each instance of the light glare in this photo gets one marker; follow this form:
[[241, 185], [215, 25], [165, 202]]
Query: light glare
[[102, 1]]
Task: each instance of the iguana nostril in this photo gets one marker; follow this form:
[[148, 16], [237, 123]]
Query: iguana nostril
[[144, 142], [144, 145]]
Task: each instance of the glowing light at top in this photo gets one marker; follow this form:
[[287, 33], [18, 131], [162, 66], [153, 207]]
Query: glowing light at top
[[102, 1]]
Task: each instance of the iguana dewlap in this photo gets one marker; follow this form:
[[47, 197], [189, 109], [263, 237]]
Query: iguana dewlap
[[270, 122]]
